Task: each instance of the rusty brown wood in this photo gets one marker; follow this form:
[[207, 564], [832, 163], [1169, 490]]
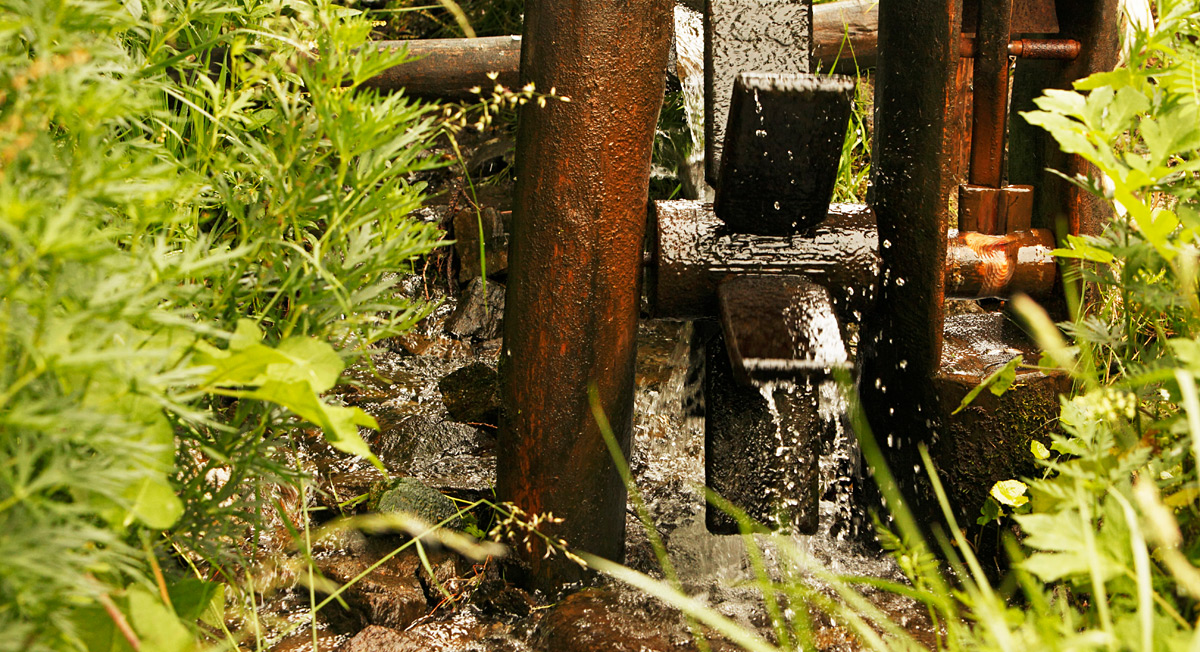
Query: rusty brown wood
[[452, 67], [1028, 17], [579, 217], [693, 253], [1060, 205], [990, 115]]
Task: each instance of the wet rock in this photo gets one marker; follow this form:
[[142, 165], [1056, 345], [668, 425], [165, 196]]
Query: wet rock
[[472, 394], [462, 632], [374, 639], [596, 621], [492, 157], [409, 495], [466, 243], [406, 442], [302, 641], [391, 595], [480, 311]]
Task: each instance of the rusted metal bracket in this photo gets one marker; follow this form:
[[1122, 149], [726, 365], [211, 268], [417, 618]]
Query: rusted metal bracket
[[1064, 49]]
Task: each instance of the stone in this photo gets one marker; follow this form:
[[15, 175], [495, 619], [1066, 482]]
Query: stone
[[472, 394], [594, 620], [374, 639], [391, 595], [466, 243], [480, 311], [407, 442], [411, 496]]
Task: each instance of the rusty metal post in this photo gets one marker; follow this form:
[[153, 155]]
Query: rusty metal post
[[579, 217], [901, 344]]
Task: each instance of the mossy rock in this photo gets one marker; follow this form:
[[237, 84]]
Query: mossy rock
[[412, 496]]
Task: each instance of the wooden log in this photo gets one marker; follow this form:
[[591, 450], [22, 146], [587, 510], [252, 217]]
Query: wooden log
[[844, 33]]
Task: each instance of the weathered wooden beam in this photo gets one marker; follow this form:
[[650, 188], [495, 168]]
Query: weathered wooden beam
[[845, 35], [843, 38]]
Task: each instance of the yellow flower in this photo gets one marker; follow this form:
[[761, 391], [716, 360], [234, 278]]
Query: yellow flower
[[1039, 450], [1010, 493]]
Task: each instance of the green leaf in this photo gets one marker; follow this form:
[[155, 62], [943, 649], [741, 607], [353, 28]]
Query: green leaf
[[340, 424], [1051, 567], [197, 599], [989, 512], [246, 335], [134, 7], [158, 628], [998, 382], [155, 503], [97, 631], [1119, 78], [1039, 450], [1079, 248], [311, 361]]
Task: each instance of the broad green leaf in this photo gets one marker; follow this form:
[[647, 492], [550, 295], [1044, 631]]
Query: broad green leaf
[[1119, 78], [245, 367], [1051, 532], [1125, 104], [97, 631], [246, 335], [158, 628], [1182, 498], [1078, 247], [989, 512], [339, 423], [311, 361], [1051, 567], [1062, 102], [134, 7], [197, 599], [1187, 351], [1070, 134], [154, 502], [1010, 493]]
